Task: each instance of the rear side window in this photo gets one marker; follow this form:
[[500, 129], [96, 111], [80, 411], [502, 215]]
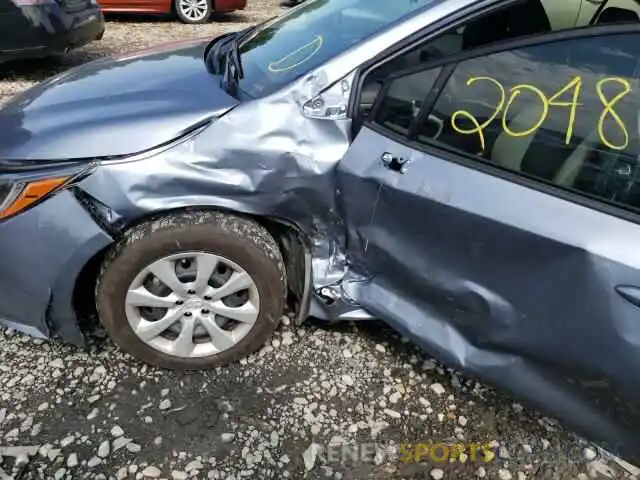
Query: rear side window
[[564, 112]]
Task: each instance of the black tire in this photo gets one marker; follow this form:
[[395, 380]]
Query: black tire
[[238, 239], [184, 18]]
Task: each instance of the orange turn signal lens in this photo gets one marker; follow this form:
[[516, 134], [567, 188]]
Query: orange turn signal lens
[[31, 193]]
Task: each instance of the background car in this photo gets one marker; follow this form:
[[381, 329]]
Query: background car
[[40, 28], [189, 11]]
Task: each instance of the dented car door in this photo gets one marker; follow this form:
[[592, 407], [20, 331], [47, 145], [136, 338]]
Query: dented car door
[[503, 210]]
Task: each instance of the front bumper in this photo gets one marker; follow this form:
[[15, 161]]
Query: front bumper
[[43, 252]]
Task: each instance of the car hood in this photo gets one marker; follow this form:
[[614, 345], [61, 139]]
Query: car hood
[[114, 106]]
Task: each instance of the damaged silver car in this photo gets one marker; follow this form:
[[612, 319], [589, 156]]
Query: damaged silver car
[[465, 170]]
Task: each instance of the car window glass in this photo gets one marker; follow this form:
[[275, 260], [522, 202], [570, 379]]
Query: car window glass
[[280, 51], [564, 112], [526, 17], [591, 8], [516, 20]]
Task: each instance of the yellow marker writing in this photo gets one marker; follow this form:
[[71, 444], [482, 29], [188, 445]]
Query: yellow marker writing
[[609, 109], [313, 46], [574, 85], [515, 91], [479, 128]]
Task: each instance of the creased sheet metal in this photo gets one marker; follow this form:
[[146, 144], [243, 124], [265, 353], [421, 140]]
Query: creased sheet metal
[[274, 162], [420, 251]]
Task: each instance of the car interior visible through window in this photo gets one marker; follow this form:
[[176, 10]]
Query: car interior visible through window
[[564, 112], [517, 20]]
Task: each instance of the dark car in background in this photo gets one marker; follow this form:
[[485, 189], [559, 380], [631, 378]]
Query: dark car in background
[[40, 28]]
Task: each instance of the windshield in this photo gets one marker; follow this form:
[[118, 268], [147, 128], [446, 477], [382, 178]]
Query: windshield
[[282, 50]]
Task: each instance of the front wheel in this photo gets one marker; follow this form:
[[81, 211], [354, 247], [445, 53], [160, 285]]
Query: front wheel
[[194, 11], [193, 290]]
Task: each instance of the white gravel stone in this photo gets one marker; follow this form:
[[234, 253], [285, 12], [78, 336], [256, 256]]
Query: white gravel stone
[[22, 459], [347, 380], [504, 474], [194, 466], [54, 453], [57, 363], [436, 474], [120, 442], [165, 404], [151, 472], [66, 441], [72, 460], [93, 414], [104, 449], [227, 437], [179, 475], [392, 413], [133, 447], [589, 454], [503, 452], [116, 431], [310, 456], [437, 388]]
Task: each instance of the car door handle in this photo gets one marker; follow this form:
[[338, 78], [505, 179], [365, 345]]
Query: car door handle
[[393, 163]]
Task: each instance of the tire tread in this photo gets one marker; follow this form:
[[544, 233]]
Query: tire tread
[[230, 224]]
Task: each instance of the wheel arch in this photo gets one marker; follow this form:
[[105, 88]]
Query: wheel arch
[[294, 246]]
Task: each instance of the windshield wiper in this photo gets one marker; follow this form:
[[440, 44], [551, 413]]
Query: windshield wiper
[[234, 70], [212, 54], [213, 51], [233, 59]]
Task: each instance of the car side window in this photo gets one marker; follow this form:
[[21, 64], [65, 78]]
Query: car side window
[[564, 112], [516, 19]]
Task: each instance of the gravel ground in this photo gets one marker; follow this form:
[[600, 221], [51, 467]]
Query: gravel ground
[[318, 402]]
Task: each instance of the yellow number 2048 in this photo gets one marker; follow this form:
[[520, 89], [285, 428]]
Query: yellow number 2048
[[574, 87]]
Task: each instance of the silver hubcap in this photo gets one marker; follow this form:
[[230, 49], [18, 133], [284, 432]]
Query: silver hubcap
[[194, 10], [193, 304]]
